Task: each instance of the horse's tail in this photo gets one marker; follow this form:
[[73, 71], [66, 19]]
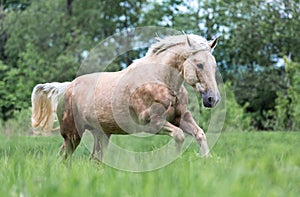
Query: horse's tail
[[44, 100]]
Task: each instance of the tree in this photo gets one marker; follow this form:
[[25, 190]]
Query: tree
[[288, 101], [45, 40]]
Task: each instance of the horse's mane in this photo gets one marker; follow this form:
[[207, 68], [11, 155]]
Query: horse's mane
[[170, 41]]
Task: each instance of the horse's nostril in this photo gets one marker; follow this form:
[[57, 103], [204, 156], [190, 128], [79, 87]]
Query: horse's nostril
[[210, 99]]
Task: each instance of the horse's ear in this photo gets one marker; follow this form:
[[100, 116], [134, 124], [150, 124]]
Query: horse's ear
[[188, 41], [213, 43]]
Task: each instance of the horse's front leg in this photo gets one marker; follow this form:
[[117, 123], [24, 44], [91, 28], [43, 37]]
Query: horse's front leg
[[101, 141], [176, 133], [160, 126], [156, 117], [188, 125]]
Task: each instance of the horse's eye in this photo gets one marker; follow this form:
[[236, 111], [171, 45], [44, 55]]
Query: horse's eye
[[200, 66]]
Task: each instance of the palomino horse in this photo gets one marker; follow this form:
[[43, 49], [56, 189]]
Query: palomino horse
[[147, 96]]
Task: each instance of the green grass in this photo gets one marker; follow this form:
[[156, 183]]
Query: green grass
[[243, 164]]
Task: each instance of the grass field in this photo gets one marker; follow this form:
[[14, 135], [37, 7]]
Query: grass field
[[243, 164]]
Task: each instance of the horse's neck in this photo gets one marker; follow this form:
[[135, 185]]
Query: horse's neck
[[166, 68], [172, 78]]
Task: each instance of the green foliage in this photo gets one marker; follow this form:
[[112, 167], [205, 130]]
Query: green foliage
[[40, 48], [251, 32], [8, 99], [236, 117], [243, 164], [44, 42], [19, 125], [288, 102], [258, 90]]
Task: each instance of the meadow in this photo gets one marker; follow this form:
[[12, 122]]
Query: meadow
[[242, 164]]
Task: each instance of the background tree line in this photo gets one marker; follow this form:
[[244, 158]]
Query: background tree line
[[44, 41]]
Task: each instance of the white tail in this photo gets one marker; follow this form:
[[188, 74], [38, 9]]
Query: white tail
[[44, 100]]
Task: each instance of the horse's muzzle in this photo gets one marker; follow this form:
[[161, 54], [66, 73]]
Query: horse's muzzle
[[210, 99]]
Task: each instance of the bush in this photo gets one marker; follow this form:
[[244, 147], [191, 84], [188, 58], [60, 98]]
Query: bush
[[236, 117], [288, 101], [20, 124]]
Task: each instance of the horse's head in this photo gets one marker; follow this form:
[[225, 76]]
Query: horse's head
[[199, 71]]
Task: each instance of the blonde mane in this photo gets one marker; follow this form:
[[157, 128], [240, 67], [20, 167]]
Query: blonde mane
[[197, 43]]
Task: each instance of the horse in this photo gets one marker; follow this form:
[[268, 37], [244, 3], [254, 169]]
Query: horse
[[44, 100], [147, 96]]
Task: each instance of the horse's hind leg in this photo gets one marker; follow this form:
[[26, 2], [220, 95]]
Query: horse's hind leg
[[71, 136], [71, 141], [69, 129]]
